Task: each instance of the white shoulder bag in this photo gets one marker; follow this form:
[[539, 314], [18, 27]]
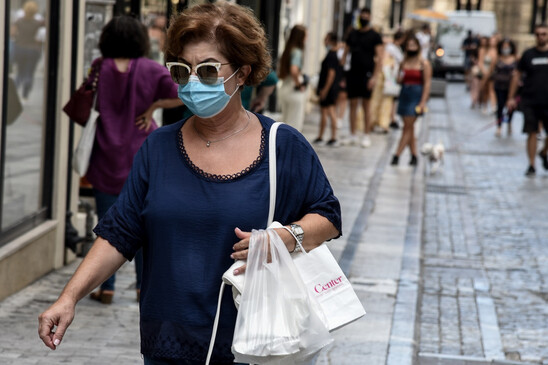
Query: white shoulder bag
[[82, 154]]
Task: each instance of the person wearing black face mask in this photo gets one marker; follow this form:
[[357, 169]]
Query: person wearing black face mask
[[415, 77], [366, 47]]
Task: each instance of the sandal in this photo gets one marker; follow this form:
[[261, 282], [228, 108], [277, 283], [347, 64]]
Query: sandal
[[103, 296]]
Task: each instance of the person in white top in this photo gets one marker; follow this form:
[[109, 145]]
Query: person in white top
[[424, 36]]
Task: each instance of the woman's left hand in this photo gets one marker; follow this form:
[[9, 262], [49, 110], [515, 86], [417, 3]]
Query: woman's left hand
[[241, 249], [144, 121]]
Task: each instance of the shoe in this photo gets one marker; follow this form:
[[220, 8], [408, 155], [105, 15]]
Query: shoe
[[544, 158], [103, 296], [366, 141], [413, 161], [395, 160], [530, 171], [332, 143], [497, 133], [318, 140], [394, 125]]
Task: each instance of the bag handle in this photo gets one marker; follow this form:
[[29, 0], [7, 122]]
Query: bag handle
[[272, 170], [272, 204]]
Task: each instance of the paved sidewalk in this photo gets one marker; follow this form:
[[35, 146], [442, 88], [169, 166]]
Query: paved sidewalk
[[375, 200], [485, 252]]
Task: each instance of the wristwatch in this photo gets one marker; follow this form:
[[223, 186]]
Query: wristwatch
[[298, 233]]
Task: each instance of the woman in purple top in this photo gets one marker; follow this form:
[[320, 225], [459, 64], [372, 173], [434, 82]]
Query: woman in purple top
[[129, 89]]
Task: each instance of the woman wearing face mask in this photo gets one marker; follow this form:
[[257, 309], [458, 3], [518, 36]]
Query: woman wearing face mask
[[415, 77], [503, 71], [196, 190]]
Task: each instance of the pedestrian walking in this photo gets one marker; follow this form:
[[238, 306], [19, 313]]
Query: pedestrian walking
[[502, 72], [293, 89], [366, 47], [533, 67], [328, 88], [130, 88], [470, 47], [196, 190], [424, 36], [487, 56], [415, 78]]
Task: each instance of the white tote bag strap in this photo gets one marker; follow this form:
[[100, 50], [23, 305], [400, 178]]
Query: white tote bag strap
[[272, 176], [272, 170]]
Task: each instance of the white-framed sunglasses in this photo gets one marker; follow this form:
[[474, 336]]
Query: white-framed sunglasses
[[207, 72]]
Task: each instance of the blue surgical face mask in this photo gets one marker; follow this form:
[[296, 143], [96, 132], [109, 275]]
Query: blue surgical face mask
[[203, 100]]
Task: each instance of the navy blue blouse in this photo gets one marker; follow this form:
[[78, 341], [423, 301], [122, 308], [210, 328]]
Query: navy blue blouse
[[184, 219]]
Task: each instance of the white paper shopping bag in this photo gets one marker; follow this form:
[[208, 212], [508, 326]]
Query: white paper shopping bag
[[326, 283]]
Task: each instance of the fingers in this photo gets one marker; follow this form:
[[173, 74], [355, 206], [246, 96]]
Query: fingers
[[45, 328], [240, 270], [241, 234], [60, 314]]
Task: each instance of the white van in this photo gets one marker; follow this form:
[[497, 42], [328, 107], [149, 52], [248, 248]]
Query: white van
[[447, 55]]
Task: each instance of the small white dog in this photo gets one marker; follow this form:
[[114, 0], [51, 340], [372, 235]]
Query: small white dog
[[434, 154]]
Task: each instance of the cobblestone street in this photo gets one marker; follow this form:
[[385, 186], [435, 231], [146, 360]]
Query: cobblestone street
[[485, 242]]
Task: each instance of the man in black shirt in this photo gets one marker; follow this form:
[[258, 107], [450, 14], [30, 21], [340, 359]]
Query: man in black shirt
[[366, 49], [533, 67]]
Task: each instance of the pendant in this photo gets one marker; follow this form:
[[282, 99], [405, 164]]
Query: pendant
[[208, 143]]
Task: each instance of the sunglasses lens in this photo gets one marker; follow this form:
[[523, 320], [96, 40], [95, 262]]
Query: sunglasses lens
[[208, 74], [179, 74]]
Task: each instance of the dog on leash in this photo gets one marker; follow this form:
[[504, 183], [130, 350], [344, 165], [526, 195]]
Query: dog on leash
[[434, 153]]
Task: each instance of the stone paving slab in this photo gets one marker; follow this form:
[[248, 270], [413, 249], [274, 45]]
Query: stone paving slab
[[485, 234]]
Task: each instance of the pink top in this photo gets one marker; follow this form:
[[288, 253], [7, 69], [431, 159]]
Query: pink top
[[121, 97]]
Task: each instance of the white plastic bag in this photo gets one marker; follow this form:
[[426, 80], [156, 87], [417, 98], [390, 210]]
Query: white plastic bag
[[82, 154], [276, 322]]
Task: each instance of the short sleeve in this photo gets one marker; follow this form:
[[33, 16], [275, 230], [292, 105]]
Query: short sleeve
[[523, 62], [303, 187], [296, 58], [332, 61], [271, 79], [166, 88], [123, 226], [377, 39]]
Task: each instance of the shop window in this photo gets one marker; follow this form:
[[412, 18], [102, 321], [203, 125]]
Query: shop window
[[27, 129], [539, 13]]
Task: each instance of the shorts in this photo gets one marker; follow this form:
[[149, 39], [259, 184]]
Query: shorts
[[356, 86], [532, 115], [331, 98], [410, 97]]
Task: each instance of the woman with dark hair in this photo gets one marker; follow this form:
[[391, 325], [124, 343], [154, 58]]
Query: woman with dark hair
[[293, 90], [196, 190], [415, 77], [130, 88], [503, 70]]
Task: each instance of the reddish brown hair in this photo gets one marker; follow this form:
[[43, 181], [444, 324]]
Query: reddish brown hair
[[236, 30]]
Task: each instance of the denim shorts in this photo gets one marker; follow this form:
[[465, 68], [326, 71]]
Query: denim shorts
[[410, 97]]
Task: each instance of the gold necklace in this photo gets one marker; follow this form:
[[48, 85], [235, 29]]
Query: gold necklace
[[209, 142]]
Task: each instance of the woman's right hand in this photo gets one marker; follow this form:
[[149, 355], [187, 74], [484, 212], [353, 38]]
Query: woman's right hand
[[53, 323]]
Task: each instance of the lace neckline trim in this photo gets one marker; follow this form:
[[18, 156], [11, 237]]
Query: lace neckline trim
[[220, 178]]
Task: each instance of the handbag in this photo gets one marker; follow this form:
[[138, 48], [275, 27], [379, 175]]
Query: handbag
[[79, 106], [390, 85], [82, 154]]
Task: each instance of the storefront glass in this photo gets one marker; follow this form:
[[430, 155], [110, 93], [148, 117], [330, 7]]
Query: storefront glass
[[23, 149]]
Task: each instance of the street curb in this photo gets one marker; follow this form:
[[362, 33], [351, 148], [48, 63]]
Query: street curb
[[403, 347], [439, 359]]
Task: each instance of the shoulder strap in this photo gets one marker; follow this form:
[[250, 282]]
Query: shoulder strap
[[272, 172], [272, 176]]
